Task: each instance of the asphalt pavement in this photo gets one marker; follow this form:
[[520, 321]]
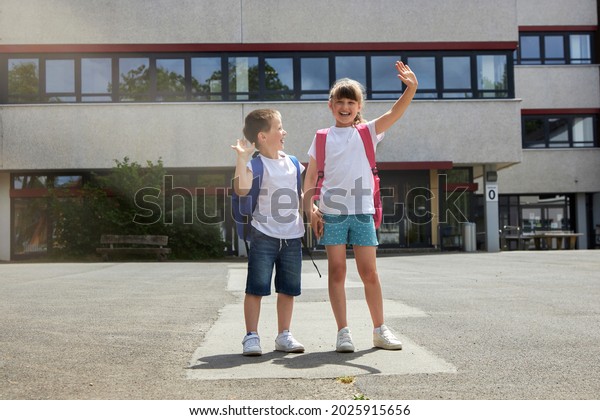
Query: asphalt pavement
[[509, 325]]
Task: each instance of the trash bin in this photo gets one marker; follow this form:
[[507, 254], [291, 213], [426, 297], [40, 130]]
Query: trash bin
[[469, 237]]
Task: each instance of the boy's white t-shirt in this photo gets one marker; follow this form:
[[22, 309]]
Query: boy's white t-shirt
[[346, 168], [277, 211]]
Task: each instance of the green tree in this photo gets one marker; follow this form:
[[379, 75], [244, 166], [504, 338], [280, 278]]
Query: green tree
[[23, 81], [107, 205]]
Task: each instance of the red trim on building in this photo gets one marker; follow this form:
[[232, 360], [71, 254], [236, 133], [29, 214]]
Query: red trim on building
[[461, 186], [398, 166], [556, 28], [282, 47], [567, 111]]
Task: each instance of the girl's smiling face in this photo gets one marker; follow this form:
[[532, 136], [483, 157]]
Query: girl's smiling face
[[344, 111]]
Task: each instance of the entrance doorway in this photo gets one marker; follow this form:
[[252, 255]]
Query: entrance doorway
[[407, 216]]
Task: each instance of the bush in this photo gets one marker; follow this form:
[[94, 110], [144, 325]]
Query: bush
[[109, 204]]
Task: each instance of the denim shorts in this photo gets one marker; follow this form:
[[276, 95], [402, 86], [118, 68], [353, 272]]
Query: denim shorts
[[267, 252], [349, 229]]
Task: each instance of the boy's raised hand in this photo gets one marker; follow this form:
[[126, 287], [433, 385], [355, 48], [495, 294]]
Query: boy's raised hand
[[243, 148], [406, 74]]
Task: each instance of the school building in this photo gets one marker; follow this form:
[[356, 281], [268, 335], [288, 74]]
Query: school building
[[503, 130]]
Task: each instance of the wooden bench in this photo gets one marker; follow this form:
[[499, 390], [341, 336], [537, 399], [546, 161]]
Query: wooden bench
[[134, 244]]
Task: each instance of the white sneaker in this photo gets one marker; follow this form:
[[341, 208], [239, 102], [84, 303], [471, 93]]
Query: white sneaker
[[344, 342], [385, 339], [286, 342], [251, 343]]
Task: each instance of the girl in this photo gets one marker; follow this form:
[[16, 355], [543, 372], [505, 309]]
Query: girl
[[346, 208]]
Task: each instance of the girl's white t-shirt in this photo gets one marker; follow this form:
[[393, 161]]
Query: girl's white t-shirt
[[277, 211], [348, 184]]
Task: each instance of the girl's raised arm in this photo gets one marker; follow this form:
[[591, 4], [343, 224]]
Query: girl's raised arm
[[406, 75]]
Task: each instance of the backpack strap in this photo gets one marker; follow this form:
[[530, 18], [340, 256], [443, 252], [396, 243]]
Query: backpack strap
[[296, 163], [320, 158], [367, 140], [257, 175], [365, 135]]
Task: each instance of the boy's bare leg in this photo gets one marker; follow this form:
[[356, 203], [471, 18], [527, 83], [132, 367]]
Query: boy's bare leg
[[366, 262], [336, 258], [285, 307], [252, 311]]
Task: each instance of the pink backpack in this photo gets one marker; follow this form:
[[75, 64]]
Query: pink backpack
[[365, 135]]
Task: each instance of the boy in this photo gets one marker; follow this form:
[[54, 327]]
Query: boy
[[276, 228]]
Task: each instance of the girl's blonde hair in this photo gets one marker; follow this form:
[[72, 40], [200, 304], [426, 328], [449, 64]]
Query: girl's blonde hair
[[349, 89]]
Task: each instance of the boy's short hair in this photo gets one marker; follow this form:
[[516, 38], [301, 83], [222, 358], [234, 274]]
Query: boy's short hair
[[259, 121]]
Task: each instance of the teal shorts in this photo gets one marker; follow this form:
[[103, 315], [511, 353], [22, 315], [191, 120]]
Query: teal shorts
[[349, 229]]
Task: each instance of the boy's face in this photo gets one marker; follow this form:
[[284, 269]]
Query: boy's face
[[274, 138]]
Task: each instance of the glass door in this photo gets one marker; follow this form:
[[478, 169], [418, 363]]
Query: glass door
[[406, 209]]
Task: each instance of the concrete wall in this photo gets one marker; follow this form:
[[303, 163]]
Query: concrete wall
[[118, 21], [251, 21], [553, 171], [382, 20], [91, 136], [4, 216], [557, 12], [558, 86]]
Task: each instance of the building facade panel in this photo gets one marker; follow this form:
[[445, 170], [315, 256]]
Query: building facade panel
[[5, 216], [378, 21], [560, 87], [434, 131], [557, 12], [553, 171], [114, 21], [92, 136]]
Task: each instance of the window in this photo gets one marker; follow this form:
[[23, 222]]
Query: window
[[314, 77], [424, 67], [60, 80], [273, 76], [351, 67], [559, 131], [530, 50], [382, 85], [207, 79], [134, 79], [492, 80], [279, 78], [28, 182], [32, 221], [170, 80], [457, 77], [243, 78], [581, 50], [23, 80], [30, 226], [555, 48], [96, 79]]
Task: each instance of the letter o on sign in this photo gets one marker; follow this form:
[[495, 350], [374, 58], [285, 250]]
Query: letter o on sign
[[491, 193]]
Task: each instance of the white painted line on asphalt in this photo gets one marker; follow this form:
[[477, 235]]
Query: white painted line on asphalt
[[219, 355]]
